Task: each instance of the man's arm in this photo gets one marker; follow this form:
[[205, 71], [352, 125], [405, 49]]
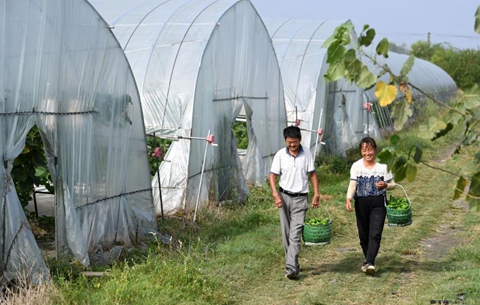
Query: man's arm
[[316, 194], [273, 185]]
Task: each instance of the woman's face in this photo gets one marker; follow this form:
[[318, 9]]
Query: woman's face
[[368, 152]]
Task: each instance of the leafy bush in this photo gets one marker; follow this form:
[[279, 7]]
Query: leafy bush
[[30, 168]]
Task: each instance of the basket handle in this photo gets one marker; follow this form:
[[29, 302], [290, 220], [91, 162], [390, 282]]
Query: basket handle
[[401, 186], [329, 217]]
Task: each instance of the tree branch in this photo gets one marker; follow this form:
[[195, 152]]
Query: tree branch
[[440, 169]]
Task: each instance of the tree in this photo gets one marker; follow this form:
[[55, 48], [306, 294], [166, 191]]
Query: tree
[[345, 55], [462, 65]]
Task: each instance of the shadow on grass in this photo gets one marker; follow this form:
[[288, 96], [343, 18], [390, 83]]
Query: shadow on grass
[[384, 264]]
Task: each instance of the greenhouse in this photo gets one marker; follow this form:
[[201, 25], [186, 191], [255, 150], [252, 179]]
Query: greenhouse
[[426, 76], [65, 73], [200, 66], [335, 107], [342, 109]]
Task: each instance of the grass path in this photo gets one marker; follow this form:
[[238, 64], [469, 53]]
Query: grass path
[[413, 262]]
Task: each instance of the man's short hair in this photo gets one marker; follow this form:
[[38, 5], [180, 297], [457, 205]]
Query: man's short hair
[[292, 132]]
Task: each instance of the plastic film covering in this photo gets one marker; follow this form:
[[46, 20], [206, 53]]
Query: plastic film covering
[[64, 71], [199, 65], [335, 107], [425, 75]]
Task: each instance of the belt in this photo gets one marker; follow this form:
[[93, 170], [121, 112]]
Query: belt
[[292, 194]]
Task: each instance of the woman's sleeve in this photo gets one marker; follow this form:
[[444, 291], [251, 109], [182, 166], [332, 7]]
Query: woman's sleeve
[[351, 189]]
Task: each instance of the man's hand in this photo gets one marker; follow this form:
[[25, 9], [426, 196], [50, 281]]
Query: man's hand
[[277, 200], [315, 201]]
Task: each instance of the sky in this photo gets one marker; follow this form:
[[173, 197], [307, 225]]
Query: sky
[[401, 22]]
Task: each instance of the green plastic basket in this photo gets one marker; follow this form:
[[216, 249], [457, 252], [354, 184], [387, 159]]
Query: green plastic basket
[[317, 235], [400, 218]]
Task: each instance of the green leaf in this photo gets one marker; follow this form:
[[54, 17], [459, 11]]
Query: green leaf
[[399, 168], [431, 128], [336, 53], [401, 112], [443, 132], [366, 79], [366, 40], [471, 137], [385, 157], [460, 188], [407, 65], [335, 72], [411, 172], [41, 171], [477, 20], [471, 97], [473, 196], [394, 139], [383, 47], [455, 118], [418, 154]]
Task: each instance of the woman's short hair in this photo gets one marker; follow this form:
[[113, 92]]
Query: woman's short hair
[[369, 142]]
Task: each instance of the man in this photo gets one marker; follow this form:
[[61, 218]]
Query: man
[[294, 164]]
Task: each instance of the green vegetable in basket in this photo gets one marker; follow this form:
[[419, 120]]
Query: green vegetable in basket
[[398, 203], [317, 221]]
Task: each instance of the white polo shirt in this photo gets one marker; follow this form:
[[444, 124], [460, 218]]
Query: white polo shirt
[[293, 171]]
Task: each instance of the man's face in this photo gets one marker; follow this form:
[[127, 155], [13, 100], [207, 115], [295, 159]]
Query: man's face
[[293, 144]]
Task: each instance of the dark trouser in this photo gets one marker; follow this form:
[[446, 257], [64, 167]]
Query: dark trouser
[[370, 213]]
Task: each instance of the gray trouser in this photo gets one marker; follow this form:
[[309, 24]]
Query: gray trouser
[[292, 217]]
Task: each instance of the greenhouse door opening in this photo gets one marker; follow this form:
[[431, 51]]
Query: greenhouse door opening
[[32, 178]]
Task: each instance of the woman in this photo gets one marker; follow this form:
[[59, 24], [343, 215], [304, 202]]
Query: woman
[[369, 181]]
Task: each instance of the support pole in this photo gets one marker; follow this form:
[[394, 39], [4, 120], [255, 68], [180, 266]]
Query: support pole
[[201, 177], [55, 202], [158, 176], [318, 134]]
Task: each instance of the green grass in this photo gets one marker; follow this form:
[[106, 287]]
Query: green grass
[[233, 254]]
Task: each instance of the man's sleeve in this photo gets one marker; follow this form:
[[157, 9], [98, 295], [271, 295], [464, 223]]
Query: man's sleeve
[[275, 168]]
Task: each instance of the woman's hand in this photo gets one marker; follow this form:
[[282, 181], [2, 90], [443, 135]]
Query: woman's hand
[[348, 205], [381, 185]]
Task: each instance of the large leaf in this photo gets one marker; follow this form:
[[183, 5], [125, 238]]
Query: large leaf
[[385, 93], [335, 72], [383, 47], [353, 66], [460, 188], [339, 34], [385, 157], [473, 196], [336, 53], [394, 139], [366, 40], [430, 129], [399, 168], [407, 65], [443, 132], [417, 157], [401, 112], [477, 20], [471, 97], [411, 171], [366, 79]]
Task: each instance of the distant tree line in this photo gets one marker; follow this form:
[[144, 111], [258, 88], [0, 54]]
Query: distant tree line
[[463, 65]]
